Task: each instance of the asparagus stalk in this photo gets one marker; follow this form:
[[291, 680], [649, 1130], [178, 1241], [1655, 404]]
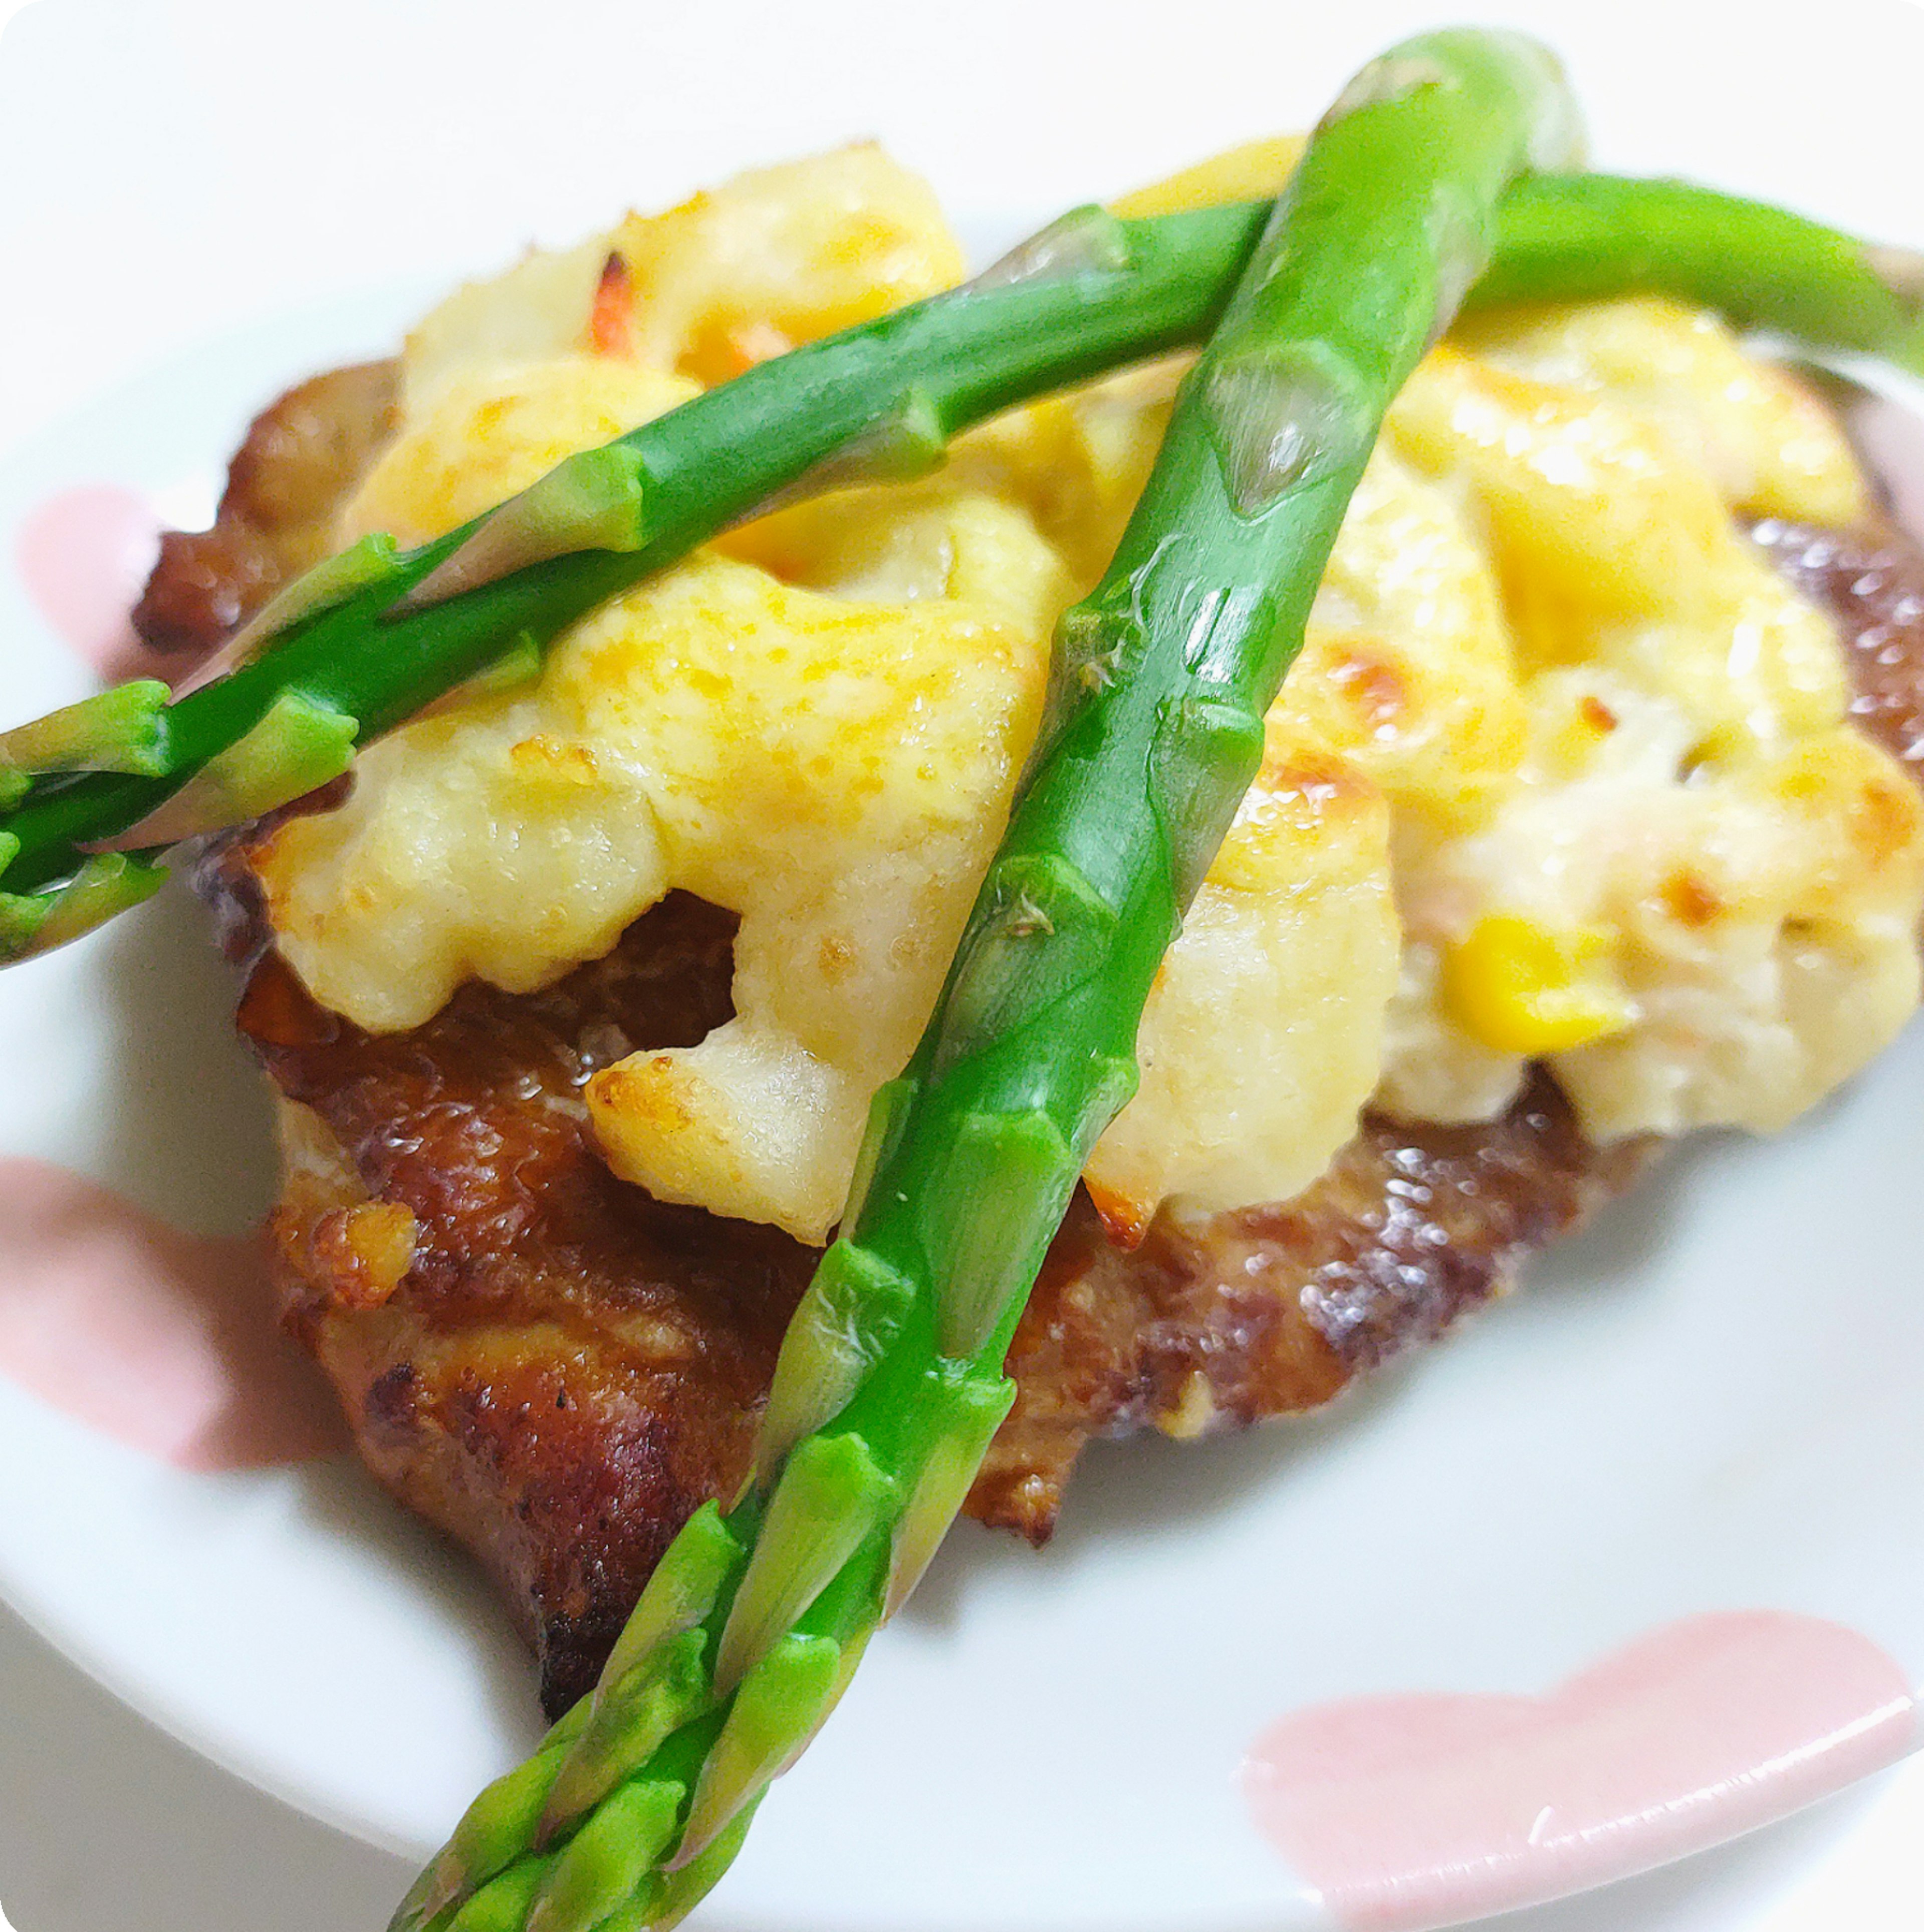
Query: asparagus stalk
[[373, 636], [1575, 237], [890, 1383]]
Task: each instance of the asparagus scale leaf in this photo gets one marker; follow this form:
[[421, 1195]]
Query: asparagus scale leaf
[[975, 1150], [372, 636]]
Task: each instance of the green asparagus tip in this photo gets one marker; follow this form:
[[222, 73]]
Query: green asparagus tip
[[497, 1829], [123, 730], [974, 1411], [775, 1711], [680, 1593], [628, 1721], [301, 745], [852, 1309], [610, 1864], [831, 1494], [109, 884], [682, 1890], [1007, 1174], [501, 1905]]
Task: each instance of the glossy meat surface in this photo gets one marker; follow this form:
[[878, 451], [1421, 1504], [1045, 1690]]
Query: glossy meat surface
[[1873, 579]]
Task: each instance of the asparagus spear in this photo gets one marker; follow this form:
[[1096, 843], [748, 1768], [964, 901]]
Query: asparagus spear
[[371, 637], [890, 1382], [1578, 236]]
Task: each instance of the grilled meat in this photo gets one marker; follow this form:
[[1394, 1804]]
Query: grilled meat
[[301, 456], [1268, 1311], [544, 1360], [1872, 581], [557, 1369]]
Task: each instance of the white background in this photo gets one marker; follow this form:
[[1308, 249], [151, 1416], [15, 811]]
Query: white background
[[166, 173]]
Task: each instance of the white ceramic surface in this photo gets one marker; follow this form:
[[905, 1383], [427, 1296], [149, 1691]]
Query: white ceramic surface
[[1710, 1403]]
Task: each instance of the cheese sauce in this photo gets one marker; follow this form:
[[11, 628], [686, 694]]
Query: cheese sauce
[[1564, 773]]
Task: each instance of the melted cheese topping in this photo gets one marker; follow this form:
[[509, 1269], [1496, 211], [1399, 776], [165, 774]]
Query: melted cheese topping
[[1563, 771]]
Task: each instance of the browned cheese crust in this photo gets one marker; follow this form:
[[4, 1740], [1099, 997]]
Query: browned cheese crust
[[557, 1369]]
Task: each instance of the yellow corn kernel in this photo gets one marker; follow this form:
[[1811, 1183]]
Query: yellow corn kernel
[[1521, 988]]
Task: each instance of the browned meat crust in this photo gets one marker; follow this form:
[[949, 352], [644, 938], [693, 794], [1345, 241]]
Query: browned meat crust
[[557, 1369], [302, 457], [544, 1360], [1268, 1311], [1273, 1310]]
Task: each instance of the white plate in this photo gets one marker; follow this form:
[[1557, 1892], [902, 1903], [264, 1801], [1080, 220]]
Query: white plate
[[1708, 1405]]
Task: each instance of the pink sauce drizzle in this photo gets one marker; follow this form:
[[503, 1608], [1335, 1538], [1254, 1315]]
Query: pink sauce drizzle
[[166, 1341], [84, 556], [1411, 1812]]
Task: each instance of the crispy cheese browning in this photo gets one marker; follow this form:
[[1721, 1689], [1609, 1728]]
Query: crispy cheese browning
[[1563, 772]]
